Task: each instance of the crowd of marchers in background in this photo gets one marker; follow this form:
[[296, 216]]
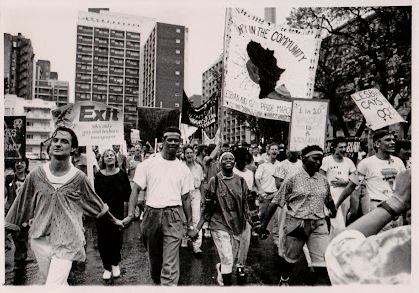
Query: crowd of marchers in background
[[325, 208]]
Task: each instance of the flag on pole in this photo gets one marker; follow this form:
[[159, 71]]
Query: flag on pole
[[203, 116]]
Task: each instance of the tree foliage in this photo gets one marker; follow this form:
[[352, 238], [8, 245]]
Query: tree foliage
[[365, 47]]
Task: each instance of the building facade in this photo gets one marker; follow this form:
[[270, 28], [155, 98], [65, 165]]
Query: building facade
[[233, 132], [108, 58], [47, 85], [39, 122], [164, 64], [18, 66]]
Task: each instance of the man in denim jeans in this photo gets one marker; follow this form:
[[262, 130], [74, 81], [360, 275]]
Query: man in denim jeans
[[306, 194], [168, 182]]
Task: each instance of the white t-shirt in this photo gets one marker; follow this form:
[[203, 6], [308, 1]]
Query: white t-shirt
[[58, 181], [247, 175], [337, 171], [265, 173], [379, 176], [166, 181], [197, 174]]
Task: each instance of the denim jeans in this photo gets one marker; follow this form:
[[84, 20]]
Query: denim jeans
[[162, 232]]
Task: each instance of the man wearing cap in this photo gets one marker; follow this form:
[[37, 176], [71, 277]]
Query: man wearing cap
[[168, 182], [306, 194], [376, 173]]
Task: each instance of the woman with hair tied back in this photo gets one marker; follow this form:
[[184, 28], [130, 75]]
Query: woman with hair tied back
[[113, 187]]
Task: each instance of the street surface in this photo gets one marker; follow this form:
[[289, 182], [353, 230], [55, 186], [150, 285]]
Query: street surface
[[262, 264]]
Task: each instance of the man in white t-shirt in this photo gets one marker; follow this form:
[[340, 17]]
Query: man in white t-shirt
[[52, 201], [265, 183], [377, 173], [337, 168], [168, 182]]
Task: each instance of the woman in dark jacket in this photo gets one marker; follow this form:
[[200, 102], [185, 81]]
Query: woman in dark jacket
[[112, 185]]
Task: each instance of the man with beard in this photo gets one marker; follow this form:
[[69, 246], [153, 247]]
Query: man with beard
[[168, 182], [306, 194]]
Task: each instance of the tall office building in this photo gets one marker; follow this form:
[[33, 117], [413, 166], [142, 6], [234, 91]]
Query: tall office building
[[233, 131], [108, 59], [18, 66], [164, 63]]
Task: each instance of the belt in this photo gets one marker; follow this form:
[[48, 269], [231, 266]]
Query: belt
[[165, 208]]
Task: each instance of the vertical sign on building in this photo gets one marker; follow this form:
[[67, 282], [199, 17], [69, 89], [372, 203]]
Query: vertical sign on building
[[14, 137]]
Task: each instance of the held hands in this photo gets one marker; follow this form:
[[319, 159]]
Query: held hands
[[126, 221], [119, 223], [192, 234]]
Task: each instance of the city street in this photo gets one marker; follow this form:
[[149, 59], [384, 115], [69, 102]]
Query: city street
[[263, 268]]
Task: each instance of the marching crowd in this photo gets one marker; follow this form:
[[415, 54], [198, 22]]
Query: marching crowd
[[351, 221]]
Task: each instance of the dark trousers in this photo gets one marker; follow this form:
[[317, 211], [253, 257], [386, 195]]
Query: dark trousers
[[109, 242], [20, 239], [162, 232]]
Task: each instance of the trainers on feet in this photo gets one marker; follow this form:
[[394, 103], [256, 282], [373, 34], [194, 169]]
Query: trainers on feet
[[207, 233], [116, 272], [197, 252], [241, 276], [106, 275], [283, 282], [184, 242], [219, 275]]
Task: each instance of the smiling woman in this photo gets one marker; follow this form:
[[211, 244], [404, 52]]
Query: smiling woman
[[113, 187]]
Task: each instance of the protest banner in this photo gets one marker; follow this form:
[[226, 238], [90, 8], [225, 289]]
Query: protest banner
[[266, 64], [203, 116], [378, 112], [94, 123], [352, 149], [14, 137], [308, 123], [153, 121], [135, 136]]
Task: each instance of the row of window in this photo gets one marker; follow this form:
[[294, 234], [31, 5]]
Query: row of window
[[43, 136]]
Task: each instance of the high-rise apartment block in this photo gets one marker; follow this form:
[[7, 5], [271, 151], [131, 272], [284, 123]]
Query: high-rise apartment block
[[18, 66], [233, 132], [126, 61], [164, 63]]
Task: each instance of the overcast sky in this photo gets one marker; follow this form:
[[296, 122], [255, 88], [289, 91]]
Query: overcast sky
[[51, 26]]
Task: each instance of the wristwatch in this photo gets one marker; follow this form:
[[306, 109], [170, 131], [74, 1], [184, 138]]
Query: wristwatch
[[190, 228]]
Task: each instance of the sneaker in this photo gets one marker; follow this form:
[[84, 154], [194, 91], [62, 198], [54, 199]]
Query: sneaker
[[283, 282], [116, 272], [197, 252], [241, 276], [184, 242], [219, 275], [106, 275], [207, 233]]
